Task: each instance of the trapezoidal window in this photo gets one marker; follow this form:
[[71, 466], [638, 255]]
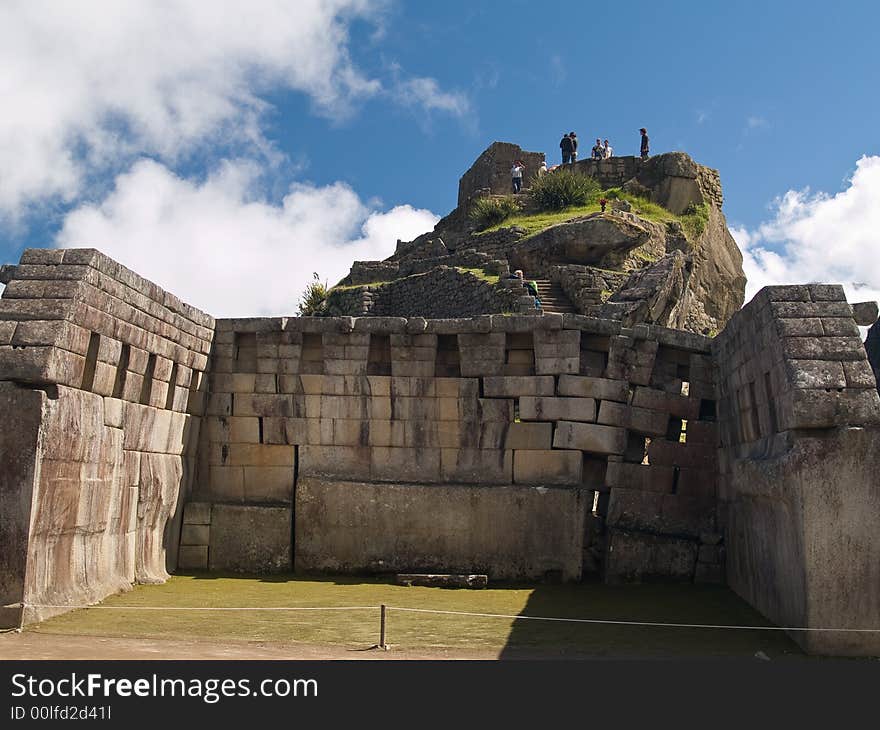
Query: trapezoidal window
[[245, 354], [147, 386], [448, 363], [519, 354], [88, 379], [594, 355], [312, 359], [121, 372], [379, 356]]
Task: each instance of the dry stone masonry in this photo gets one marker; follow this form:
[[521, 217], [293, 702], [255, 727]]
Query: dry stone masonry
[[625, 264], [139, 436]]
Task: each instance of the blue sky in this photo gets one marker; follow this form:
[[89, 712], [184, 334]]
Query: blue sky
[[228, 150]]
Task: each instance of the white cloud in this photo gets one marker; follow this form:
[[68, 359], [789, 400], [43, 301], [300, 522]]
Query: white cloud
[[88, 86], [221, 246], [426, 93], [820, 238], [756, 122]]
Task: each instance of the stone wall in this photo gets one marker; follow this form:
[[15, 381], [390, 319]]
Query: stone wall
[[345, 422], [490, 172], [443, 292], [544, 446], [799, 416], [101, 380]]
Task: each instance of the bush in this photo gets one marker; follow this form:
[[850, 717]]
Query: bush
[[562, 189], [487, 212], [694, 220], [314, 296]]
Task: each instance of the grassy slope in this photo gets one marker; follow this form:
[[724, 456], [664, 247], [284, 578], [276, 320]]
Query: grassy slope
[[359, 628], [537, 222]]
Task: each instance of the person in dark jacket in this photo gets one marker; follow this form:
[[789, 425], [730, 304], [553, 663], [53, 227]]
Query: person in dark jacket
[[644, 147], [574, 146], [565, 146]]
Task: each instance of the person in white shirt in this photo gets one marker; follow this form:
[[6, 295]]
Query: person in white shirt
[[607, 150], [516, 174]]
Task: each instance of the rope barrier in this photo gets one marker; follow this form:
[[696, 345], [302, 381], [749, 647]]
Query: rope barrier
[[625, 623], [516, 617], [207, 608]]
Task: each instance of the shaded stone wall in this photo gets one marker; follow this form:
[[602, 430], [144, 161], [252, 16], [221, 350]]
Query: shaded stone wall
[[443, 292], [103, 369], [799, 416], [368, 411], [491, 172]]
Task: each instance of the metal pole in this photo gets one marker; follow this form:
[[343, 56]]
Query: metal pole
[[382, 629]]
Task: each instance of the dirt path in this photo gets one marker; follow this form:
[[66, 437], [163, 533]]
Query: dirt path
[[33, 645]]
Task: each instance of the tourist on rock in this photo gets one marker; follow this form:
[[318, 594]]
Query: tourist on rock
[[532, 288], [566, 147], [607, 150], [516, 173], [542, 170], [574, 146], [598, 150], [644, 147]]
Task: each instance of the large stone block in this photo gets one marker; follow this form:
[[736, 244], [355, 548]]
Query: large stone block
[[547, 467], [661, 514], [801, 538], [505, 532], [529, 436], [633, 557], [640, 420], [589, 437], [642, 477], [249, 539], [514, 386], [598, 388], [671, 403], [475, 466], [540, 408]]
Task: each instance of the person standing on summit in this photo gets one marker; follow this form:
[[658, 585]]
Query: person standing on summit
[[565, 146], [574, 146], [644, 147], [516, 174]]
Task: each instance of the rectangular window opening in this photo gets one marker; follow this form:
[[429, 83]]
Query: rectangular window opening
[[245, 352], [448, 362], [519, 354], [172, 388], [88, 379], [771, 404], [121, 372], [147, 387], [312, 359], [379, 355]]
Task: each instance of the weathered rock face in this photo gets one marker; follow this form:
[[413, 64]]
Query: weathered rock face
[[689, 281], [592, 240]]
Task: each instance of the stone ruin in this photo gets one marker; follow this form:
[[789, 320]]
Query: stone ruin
[[140, 436], [625, 264]]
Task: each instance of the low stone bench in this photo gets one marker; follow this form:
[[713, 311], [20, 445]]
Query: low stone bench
[[441, 580]]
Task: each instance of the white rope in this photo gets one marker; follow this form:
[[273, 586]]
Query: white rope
[[208, 608], [623, 623], [516, 617]]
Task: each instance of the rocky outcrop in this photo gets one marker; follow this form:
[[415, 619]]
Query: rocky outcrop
[[679, 269]]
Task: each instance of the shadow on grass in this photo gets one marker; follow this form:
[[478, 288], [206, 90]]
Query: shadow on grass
[[650, 603]]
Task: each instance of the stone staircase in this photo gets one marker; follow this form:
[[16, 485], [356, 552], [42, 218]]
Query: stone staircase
[[553, 298]]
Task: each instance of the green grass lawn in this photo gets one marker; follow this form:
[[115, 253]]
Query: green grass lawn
[[360, 628]]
